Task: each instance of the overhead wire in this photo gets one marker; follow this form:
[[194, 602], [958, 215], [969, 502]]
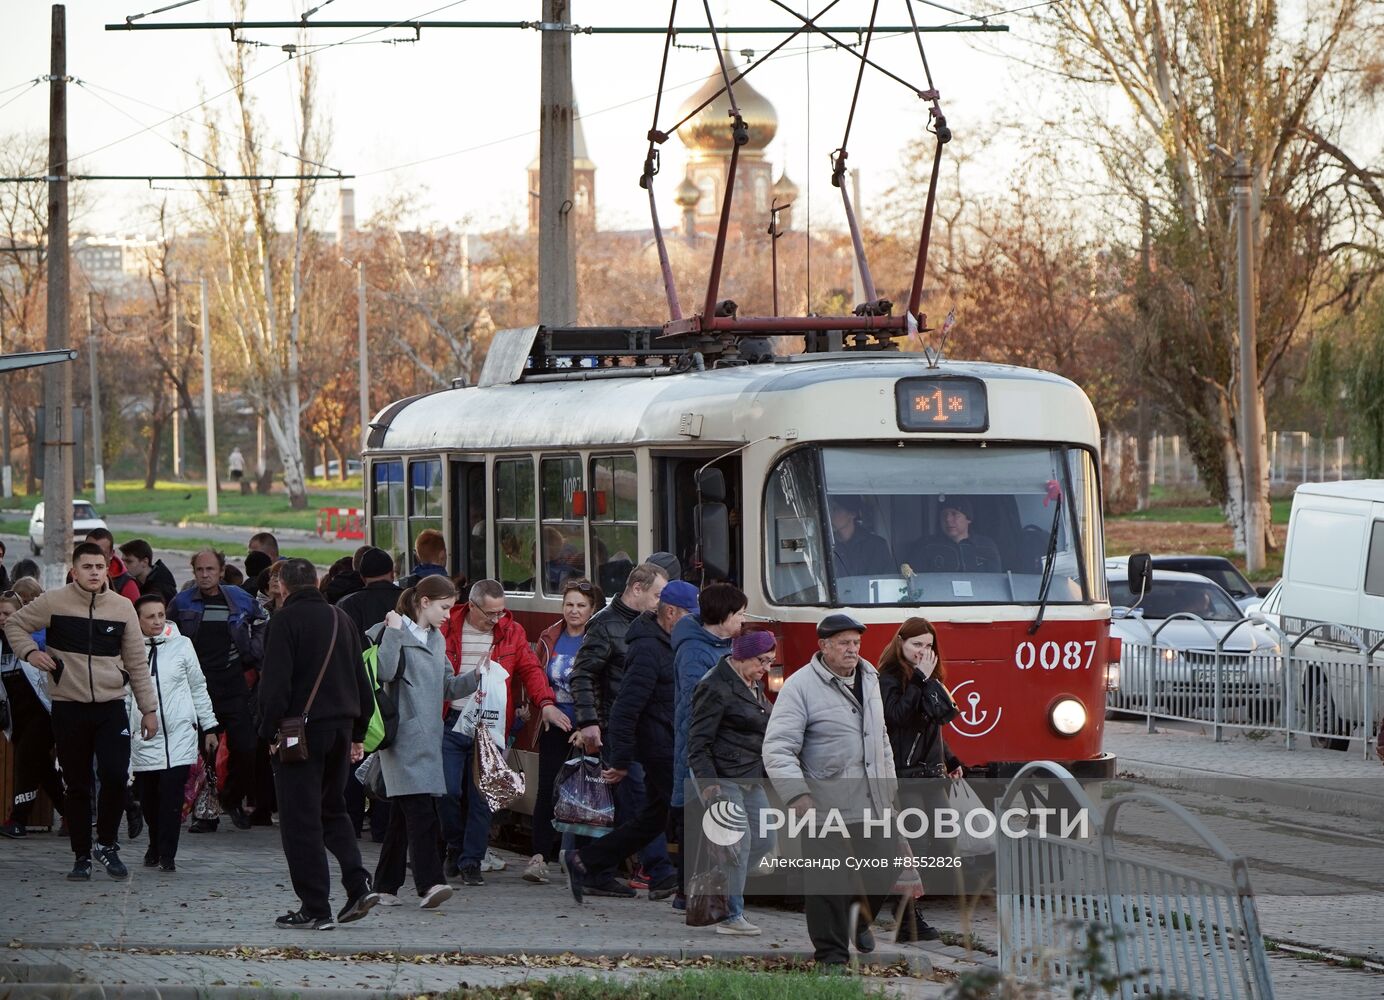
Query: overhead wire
[[32, 84], [176, 145]]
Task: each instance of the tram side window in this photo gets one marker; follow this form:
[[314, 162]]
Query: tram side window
[[613, 510], [425, 498], [515, 531], [796, 570], [564, 536], [387, 510]]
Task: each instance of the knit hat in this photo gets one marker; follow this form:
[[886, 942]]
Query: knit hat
[[256, 562], [680, 594], [375, 563], [751, 643], [669, 563], [961, 504]]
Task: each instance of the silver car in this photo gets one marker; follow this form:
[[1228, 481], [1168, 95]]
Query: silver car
[[1168, 663], [84, 519]]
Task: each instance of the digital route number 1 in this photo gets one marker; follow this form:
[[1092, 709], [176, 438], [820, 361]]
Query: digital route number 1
[[945, 407]]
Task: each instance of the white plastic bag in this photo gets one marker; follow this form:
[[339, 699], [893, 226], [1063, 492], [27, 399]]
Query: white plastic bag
[[963, 798], [488, 706]]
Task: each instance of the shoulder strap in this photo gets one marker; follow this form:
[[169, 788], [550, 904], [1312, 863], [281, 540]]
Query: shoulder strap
[[331, 648]]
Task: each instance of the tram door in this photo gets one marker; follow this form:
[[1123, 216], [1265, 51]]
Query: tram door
[[680, 514], [468, 519]]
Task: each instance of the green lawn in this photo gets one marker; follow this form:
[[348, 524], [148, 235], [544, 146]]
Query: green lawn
[[181, 503], [1200, 514], [695, 985], [319, 554]]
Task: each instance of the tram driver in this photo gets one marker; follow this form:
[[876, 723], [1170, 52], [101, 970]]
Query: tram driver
[[855, 550], [958, 550]]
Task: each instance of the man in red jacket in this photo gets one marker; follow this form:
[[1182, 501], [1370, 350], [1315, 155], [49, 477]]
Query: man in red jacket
[[480, 632]]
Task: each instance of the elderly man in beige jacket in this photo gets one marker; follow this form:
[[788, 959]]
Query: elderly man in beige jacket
[[826, 749]]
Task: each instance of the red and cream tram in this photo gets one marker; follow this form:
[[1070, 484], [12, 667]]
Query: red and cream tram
[[827, 479]]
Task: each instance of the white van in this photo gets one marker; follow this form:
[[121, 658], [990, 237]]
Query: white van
[[1333, 577]]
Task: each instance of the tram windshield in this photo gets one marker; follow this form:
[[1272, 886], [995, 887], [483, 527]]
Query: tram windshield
[[934, 524]]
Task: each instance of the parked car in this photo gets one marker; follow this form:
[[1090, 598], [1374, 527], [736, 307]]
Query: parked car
[[84, 519], [333, 468], [1267, 606], [1217, 569], [1172, 660]]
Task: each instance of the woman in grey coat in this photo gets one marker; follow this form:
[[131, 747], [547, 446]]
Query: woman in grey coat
[[413, 663]]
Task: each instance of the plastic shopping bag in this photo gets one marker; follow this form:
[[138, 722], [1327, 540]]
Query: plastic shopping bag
[[708, 892], [582, 801], [192, 789], [963, 798]]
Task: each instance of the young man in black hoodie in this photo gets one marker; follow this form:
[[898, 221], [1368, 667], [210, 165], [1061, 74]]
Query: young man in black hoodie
[[307, 639], [151, 574]]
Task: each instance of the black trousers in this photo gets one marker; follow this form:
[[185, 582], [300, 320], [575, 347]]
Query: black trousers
[[161, 800], [828, 905], [553, 751], [232, 706], [605, 853], [85, 731], [413, 831], [33, 750], [313, 819]]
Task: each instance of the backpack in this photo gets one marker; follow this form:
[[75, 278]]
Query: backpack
[[384, 722]]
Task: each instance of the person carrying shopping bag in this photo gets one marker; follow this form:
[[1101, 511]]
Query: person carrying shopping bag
[[413, 662]]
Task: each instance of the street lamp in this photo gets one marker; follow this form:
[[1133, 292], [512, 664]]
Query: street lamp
[[362, 355]]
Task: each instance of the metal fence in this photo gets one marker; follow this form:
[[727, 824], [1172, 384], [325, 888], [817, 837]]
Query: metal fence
[[1288, 684], [1294, 457], [1073, 910]]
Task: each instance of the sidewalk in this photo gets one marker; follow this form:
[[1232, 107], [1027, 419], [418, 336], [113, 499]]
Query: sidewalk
[[1186, 756]]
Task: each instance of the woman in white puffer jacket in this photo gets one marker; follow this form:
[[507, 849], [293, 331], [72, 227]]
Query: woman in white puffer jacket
[[161, 764]]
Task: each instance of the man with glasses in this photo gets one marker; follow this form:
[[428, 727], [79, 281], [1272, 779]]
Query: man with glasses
[[482, 635]]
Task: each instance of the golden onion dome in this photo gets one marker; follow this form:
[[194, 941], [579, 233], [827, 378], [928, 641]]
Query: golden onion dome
[[709, 131], [784, 189], [687, 194]]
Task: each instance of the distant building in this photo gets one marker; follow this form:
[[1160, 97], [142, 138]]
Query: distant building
[[108, 262]]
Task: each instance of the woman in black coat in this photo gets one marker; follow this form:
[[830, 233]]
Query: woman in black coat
[[917, 704], [725, 752]]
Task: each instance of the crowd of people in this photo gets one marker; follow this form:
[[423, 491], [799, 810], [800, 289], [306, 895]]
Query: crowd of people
[[120, 684]]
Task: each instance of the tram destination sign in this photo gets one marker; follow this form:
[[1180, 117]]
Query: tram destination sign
[[942, 404]]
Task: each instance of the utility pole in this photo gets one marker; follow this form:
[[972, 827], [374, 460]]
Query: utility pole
[[57, 379], [6, 472], [364, 361], [93, 362], [209, 414], [1251, 418], [557, 262], [177, 399]]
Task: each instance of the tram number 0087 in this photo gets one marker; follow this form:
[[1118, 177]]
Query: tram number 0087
[[1071, 655]]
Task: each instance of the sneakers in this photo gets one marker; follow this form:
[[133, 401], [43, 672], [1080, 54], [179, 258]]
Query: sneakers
[[864, 940], [576, 871], [451, 866], [679, 901], [611, 886], [13, 830], [389, 899], [537, 871], [359, 905], [81, 871], [663, 888], [435, 897], [738, 926], [168, 866], [240, 818], [640, 879], [151, 857], [471, 875], [134, 821], [300, 921], [109, 859], [492, 862]]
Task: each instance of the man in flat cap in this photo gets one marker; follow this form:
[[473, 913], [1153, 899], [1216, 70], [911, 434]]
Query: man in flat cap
[[958, 549], [826, 748]]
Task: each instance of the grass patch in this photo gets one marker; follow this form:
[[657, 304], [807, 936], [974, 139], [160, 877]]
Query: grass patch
[[1200, 514], [180, 503], [723, 984], [319, 554]]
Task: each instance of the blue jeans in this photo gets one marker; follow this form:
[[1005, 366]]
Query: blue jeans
[[629, 803], [468, 837], [752, 847]]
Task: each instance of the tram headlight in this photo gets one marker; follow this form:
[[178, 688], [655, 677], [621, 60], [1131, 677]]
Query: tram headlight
[[774, 680], [1068, 716]]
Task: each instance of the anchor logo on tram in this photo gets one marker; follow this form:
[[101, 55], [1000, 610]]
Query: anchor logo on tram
[[972, 716]]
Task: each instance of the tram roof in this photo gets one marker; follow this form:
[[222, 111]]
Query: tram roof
[[735, 404]]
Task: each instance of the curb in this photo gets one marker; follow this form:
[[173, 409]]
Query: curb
[[1271, 791]]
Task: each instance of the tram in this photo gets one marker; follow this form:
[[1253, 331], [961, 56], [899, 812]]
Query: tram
[[833, 478]]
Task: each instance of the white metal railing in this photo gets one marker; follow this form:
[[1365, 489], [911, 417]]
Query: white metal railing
[[1072, 909], [1328, 693]]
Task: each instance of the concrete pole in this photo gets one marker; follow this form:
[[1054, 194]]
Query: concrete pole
[[57, 379], [94, 363], [208, 407], [557, 257], [364, 356], [1251, 419], [177, 400]]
